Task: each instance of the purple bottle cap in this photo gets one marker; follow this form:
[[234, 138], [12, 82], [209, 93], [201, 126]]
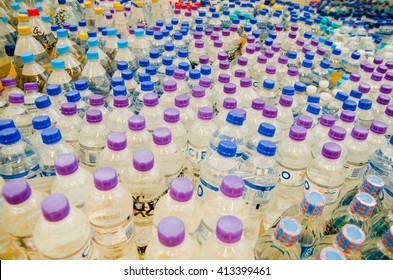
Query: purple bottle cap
[[96, 100], [224, 78], [216, 28], [93, 116], [199, 44], [224, 65], [117, 141], [386, 89], [347, 116], [285, 101], [368, 67], [283, 60], [270, 112], [300, 42], [218, 43], [376, 76], [279, 27], [8, 82], [245, 82], [179, 74], [373, 185], [229, 229], [198, 92], [181, 189], [16, 191], [297, 133], [171, 231], [66, 25], [240, 73], [258, 104], [197, 35], [382, 69], [205, 82], [156, 28], [363, 204], [182, 101], [150, 99], [171, 115], [269, 53], [226, 33], [229, 103], [232, 186], [383, 99], [327, 120], [242, 61], [16, 98], [350, 239], [294, 27], [222, 56], [66, 164], [354, 77], [250, 39], [389, 76], [292, 35], [337, 133], [136, 123], [389, 65], [275, 48], [233, 28], [205, 113], [378, 127], [304, 121], [271, 69], [55, 207], [306, 49], [313, 204], [257, 47], [162, 136], [389, 110], [321, 51], [331, 150], [314, 43], [378, 60], [105, 178], [229, 88], [359, 132], [140, 25], [30, 87], [69, 109], [293, 71], [170, 86], [120, 101], [214, 36], [262, 59], [288, 231], [143, 160], [203, 59]]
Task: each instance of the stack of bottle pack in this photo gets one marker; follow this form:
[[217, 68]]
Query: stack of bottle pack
[[223, 130]]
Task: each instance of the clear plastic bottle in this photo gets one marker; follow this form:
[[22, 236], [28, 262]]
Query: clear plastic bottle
[[152, 111], [284, 114], [70, 124], [95, 74], [105, 61], [74, 96], [167, 100], [187, 114], [109, 209], [67, 11], [59, 217], [269, 115], [346, 120], [146, 185], [97, 101], [137, 135], [92, 138], [334, 106], [45, 107], [41, 31], [379, 248], [32, 71], [380, 104], [280, 243], [199, 98], [124, 54], [320, 131], [141, 46], [178, 131], [60, 77], [387, 118], [358, 153], [21, 212], [39, 124], [72, 66], [376, 136], [17, 111], [118, 118], [75, 50], [31, 94], [83, 87]]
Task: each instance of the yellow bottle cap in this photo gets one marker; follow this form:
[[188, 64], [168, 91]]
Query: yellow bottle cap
[[277, 7], [98, 10], [138, 3], [23, 18], [119, 7], [261, 7], [115, 4], [83, 36], [88, 4], [154, 1], [24, 30]]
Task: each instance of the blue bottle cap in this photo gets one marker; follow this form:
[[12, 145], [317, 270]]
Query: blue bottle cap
[[121, 65], [268, 41], [169, 47], [336, 51], [144, 62], [309, 55], [178, 36], [58, 63], [365, 104], [144, 77], [341, 96], [81, 85], [256, 34], [73, 28], [62, 33], [51, 135], [160, 23], [92, 42], [325, 64], [247, 28], [165, 33], [194, 74], [41, 122], [235, 118], [169, 71], [122, 44], [226, 148], [182, 53], [236, 21], [313, 99], [151, 70], [313, 109], [158, 35], [73, 96], [184, 66], [373, 185], [15, 7], [288, 90], [356, 94], [206, 70], [266, 148], [82, 23], [362, 204], [61, 2], [331, 253], [118, 81], [307, 63], [139, 32], [313, 204], [92, 55], [300, 87], [292, 54], [288, 231], [6, 123], [349, 105], [119, 90], [27, 57], [127, 75], [266, 129], [184, 31], [91, 34], [226, 13], [9, 136], [307, 35], [167, 60], [175, 21], [147, 86], [350, 238], [268, 84], [355, 55], [154, 54], [63, 49], [53, 90], [111, 32], [104, 32]]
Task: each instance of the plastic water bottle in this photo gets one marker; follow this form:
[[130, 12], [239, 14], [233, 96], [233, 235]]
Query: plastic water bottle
[[321, 130], [74, 96], [92, 138], [178, 131], [39, 124], [97, 101], [141, 47], [118, 118], [310, 217], [358, 153], [269, 115], [124, 54], [72, 66], [227, 243], [245, 94], [280, 243], [109, 209], [59, 76], [349, 241], [379, 248], [305, 72], [19, 159], [76, 246], [72, 180], [187, 114], [179, 202], [83, 87], [199, 98], [137, 135], [346, 120], [285, 114], [103, 58], [146, 185], [21, 212], [152, 111], [172, 242], [380, 104], [376, 137], [70, 124], [334, 106], [32, 71], [388, 119], [18, 113]]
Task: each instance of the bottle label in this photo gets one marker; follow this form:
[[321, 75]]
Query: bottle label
[[257, 195], [23, 174], [354, 171], [203, 233], [291, 177], [372, 169], [205, 185], [114, 236], [89, 155], [331, 195], [306, 251], [195, 155]]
